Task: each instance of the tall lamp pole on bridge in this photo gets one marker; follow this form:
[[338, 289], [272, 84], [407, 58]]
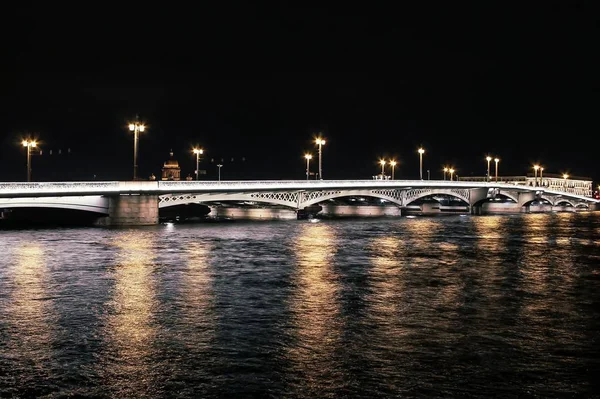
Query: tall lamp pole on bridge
[[382, 163], [488, 159], [496, 160], [451, 173], [535, 169], [198, 152], [320, 142], [308, 157], [565, 176], [541, 175], [393, 163], [219, 166], [29, 144], [136, 127], [421, 151], [445, 171]]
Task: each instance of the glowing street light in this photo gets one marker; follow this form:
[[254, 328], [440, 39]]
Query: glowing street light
[[320, 142], [496, 160], [541, 175], [451, 170], [382, 163], [445, 171], [421, 151], [198, 152], [488, 159], [29, 144], [308, 157], [136, 127], [565, 176], [393, 163], [535, 169]]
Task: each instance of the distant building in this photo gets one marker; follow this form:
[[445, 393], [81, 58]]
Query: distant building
[[171, 169], [571, 184]]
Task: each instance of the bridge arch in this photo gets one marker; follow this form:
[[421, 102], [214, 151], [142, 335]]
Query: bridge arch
[[509, 195], [416, 194], [312, 198], [564, 201], [287, 199]]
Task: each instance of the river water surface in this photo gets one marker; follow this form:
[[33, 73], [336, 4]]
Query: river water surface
[[456, 306]]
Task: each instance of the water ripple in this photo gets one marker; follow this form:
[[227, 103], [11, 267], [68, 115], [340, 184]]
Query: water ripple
[[498, 306]]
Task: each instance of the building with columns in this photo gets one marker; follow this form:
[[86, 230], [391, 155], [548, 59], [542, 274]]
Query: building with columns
[[571, 184]]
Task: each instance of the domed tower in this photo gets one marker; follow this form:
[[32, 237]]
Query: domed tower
[[171, 169]]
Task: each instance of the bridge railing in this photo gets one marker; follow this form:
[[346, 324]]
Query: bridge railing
[[163, 187], [59, 187]]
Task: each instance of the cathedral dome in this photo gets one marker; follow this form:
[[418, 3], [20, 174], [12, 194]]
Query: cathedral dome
[[171, 169]]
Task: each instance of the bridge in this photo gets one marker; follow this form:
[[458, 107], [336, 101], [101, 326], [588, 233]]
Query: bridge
[[138, 202]]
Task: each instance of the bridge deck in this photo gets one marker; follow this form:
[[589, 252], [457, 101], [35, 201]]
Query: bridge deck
[[42, 189]]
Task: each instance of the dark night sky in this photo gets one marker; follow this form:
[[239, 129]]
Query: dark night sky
[[242, 80]]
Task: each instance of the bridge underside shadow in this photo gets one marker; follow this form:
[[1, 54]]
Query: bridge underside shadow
[[23, 216]]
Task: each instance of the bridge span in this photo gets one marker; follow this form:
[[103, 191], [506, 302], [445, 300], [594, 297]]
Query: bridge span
[[138, 202]]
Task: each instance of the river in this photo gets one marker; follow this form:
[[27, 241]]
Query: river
[[453, 306]]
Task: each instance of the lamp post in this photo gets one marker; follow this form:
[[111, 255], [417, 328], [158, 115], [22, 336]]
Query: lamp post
[[382, 163], [393, 163], [565, 176], [541, 175], [308, 157], [488, 159], [29, 144], [535, 169], [219, 166], [320, 142], [496, 160], [136, 127], [198, 152], [445, 170], [421, 151], [451, 170]]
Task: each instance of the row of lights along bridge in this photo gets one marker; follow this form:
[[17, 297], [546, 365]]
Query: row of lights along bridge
[[138, 127]]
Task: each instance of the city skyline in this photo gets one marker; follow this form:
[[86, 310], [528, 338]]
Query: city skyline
[[261, 83]]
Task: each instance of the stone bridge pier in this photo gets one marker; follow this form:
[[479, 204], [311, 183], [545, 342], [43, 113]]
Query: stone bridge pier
[[131, 210], [477, 196]]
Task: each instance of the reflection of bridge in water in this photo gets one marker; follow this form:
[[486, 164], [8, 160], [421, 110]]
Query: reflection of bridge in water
[[138, 202]]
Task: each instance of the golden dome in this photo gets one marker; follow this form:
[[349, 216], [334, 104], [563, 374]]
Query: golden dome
[[171, 163]]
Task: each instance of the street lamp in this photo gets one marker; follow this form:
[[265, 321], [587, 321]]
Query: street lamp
[[451, 173], [541, 175], [421, 151], [308, 157], [445, 171], [496, 160], [219, 166], [393, 163], [320, 142], [29, 144], [535, 169], [488, 159], [198, 152], [382, 163], [565, 176], [136, 127]]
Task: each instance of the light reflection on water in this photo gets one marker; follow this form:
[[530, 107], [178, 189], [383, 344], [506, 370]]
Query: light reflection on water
[[315, 309], [131, 328], [498, 306], [28, 315]]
